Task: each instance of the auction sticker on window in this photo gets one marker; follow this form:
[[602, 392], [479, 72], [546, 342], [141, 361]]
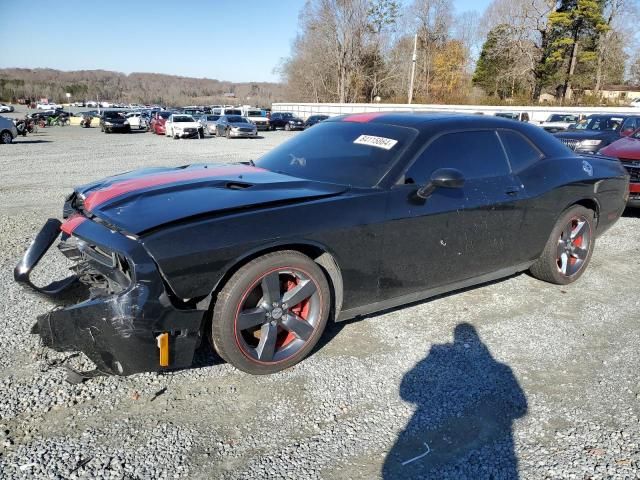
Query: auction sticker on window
[[379, 142]]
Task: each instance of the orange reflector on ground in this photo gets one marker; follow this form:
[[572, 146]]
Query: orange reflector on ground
[[163, 345]]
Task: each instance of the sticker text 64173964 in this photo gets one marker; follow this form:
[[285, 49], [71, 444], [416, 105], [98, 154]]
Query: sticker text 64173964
[[373, 141]]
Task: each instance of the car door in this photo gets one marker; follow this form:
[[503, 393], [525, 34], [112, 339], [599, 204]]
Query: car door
[[220, 126], [456, 233]]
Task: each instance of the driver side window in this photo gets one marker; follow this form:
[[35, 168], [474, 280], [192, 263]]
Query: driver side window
[[477, 154]]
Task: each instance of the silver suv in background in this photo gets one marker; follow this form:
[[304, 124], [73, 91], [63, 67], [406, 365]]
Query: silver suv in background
[[8, 130]]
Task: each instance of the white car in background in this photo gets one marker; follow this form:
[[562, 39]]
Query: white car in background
[[559, 122], [48, 106], [6, 108], [635, 103], [180, 125], [258, 118], [136, 120]]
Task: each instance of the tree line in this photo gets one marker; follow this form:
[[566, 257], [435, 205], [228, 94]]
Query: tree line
[[142, 88], [359, 50]]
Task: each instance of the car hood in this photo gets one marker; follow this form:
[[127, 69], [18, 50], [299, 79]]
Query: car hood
[[143, 200], [186, 125], [624, 148], [587, 134]]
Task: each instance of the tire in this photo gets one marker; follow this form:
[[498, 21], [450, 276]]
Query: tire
[[272, 128], [5, 137], [277, 335], [287, 127], [228, 134], [565, 257]]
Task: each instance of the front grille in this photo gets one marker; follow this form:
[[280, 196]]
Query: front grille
[[246, 130], [633, 167], [570, 142], [189, 130]]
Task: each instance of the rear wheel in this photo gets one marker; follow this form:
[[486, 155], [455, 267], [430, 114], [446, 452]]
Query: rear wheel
[[6, 137], [229, 133], [271, 313], [569, 248]]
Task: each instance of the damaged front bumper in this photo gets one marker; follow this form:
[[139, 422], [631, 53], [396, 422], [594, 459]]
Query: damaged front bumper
[[126, 308]]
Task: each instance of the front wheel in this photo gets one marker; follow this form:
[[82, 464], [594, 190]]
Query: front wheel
[[271, 313], [228, 134], [569, 248], [287, 127]]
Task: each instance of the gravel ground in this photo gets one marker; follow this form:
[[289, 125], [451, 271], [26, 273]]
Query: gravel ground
[[516, 379]]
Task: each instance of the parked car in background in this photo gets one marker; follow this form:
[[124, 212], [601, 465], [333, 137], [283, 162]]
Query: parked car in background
[[235, 126], [158, 120], [359, 214], [285, 120], [559, 122], [627, 150], [635, 103], [114, 121], [598, 131], [4, 108], [219, 110], [258, 118], [8, 130], [137, 120], [48, 106], [91, 104], [180, 125], [518, 116], [314, 119], [209, 123]]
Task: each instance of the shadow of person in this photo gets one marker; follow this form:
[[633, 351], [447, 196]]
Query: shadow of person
[[466, 404]]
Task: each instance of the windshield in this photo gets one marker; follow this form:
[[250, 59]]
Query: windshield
[[182, 118], [236, 119], [255, 113], [286, 115], [562, 118], [212, 118], [232, 112], [164, 115], [345, 153], [112, 115], [601, 124]]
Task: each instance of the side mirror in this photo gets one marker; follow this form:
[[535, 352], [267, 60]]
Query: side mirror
[[441, 178]]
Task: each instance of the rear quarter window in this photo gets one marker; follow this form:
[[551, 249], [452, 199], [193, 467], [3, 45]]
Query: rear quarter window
[[521, 151]]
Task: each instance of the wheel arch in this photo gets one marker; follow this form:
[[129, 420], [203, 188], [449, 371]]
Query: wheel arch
[[589, 203], [319, 253]]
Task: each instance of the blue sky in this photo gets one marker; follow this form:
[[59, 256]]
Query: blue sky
[[224, 39]]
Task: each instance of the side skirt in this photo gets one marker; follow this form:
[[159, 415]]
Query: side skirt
[[432, 292]]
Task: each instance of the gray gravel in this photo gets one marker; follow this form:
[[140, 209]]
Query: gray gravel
[[513, 379]]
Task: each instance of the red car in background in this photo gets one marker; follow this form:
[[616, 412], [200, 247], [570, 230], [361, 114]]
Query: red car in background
[[627, 150], [157, 122]]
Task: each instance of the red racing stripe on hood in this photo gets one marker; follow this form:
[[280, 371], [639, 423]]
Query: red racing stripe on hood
[[102, 195], [72, 223], [362, 117]]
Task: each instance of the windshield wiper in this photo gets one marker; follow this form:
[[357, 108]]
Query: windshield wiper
[[252, 163]]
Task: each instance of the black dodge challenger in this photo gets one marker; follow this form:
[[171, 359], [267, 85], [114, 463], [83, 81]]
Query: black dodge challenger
[[358, 214]]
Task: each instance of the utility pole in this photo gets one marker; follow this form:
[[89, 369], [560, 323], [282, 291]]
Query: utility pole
[[413, 67]]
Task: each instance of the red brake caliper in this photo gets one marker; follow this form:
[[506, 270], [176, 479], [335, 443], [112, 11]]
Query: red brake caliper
[[301, 310], [578, 243]]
